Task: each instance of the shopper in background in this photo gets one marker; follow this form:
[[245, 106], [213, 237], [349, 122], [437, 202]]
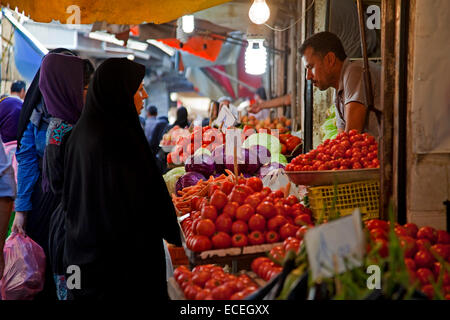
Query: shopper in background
[[7, 195], [31, 201], [150, 122], [63, 96], [110, 226], [182, 118], [10, 107]]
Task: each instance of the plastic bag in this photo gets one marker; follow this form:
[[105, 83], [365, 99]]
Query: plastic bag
[[24, 272], [277, 179]]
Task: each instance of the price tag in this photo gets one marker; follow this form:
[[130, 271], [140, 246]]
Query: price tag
[[225, 118], [336, 246]]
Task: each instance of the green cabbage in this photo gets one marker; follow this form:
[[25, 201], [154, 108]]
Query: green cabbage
[[172, 176], [263, 139]]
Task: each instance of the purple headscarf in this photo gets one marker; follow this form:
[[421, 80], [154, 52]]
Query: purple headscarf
[[61, 84]]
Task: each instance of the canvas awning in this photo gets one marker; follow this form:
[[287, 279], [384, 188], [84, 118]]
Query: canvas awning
[[112, 11]]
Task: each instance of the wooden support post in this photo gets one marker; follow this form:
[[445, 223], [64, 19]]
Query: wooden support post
[[387, 101]]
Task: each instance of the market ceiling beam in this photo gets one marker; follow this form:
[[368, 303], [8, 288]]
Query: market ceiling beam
[[112, 11]]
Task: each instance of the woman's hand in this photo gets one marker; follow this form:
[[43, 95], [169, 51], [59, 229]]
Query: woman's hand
[[19, 223]]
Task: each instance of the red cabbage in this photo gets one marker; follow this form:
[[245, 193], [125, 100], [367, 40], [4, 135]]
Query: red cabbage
[[262, 152], [251, 164], [201, 163], [218, 155], [187, 180], [247, 162]]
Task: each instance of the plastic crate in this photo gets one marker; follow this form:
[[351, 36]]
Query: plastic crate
[[364, 195]]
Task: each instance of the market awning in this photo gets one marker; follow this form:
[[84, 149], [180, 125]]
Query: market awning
[[112, 11]]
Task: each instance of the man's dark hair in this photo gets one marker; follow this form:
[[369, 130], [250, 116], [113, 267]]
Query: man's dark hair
[[261, 92], [324, 42], [18, 85], [88, 71], [152, 110]]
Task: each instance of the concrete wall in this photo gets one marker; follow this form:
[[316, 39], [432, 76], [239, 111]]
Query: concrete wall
[[428, 181]]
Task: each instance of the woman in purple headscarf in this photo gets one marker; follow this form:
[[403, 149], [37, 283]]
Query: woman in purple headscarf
[[62, 82]]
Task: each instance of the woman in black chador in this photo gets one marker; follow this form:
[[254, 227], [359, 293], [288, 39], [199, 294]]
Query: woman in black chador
[[117, 206]]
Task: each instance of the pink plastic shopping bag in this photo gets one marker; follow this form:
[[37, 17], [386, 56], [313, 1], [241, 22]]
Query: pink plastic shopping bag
[[24, 272]]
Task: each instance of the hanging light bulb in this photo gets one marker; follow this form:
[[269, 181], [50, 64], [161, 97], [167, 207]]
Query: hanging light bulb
[[188, 23], [259, 12], [255, 57]]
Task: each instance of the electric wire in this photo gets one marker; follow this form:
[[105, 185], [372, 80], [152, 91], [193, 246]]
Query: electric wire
[[301, 18]]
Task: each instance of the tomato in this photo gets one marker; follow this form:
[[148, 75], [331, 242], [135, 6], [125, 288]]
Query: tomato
[[300, 233], [256, 237], [238, 296], [223, 223], [411, 229], [428, 290], [376, 163], [190, 292], [292, 142], [287, 230], [213, 283], [200, 278], [201, 243], [376, 223], [272, 237], [244, 212], [257, 223], [276, 222], [218, 199], [239, 227], [222, 292], [264, 268], [221, 240], [441, 250], [239, 240], [382, 244], [254, 183], [423, 244], [424, 259], [443, 237], [257, 262], [253, 200], [265, 191], [206, 227], [292, 246], [237, 195], [227, 187], [378, 233], [230, 209], [266, 209], [302, 220], [428, 233], [209, 212], [201, 295], [409, 246], [424, 275], [410, 264]]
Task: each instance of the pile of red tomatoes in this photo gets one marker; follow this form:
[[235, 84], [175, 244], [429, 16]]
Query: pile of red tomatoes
[[347, 151], [241, 214], [423, 248], [211, 282]]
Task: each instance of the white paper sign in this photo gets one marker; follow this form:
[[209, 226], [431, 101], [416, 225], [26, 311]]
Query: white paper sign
[[226, 118], [336, 246]]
